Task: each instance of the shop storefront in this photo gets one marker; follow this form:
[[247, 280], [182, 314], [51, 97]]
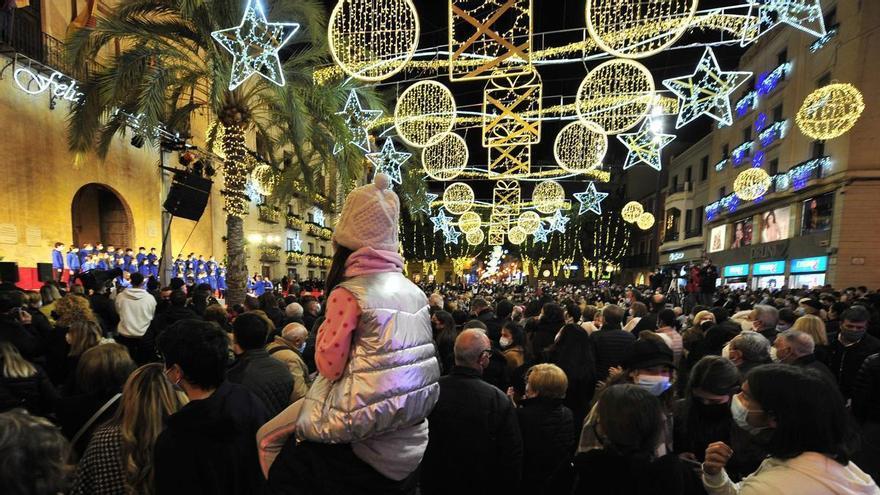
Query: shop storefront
[[735, 276], [768, 275], [808, 272]]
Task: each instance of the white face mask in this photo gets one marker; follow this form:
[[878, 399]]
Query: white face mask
[[301, 348], [504, 341], [654, 384], [740, 415]]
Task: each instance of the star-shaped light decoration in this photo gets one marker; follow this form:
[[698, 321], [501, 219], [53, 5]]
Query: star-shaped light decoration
[[356, 120], [388, 160], [706, 91], [541, 234], [254, 45], [426, 208], [558, 222], [296, 242], [441, 221], [644, 146], [318, 216], [805, 15], [590, 200], [451, 235]]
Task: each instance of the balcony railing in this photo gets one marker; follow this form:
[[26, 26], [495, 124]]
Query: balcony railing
[[294, 222], [268, 214], [313, 229], [29, 40], [295, 257], [671, 236], [270, 254]]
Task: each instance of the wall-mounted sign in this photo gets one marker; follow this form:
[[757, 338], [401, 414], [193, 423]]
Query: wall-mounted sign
[[678, 255], [735, 271], [57, 84], [768, 268], [809, 265]]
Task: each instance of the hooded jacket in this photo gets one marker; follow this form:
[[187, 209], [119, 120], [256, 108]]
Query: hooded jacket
[[810, 473], [136, 308]]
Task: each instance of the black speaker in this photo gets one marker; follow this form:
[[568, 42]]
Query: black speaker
[[188, 196], [9, 272], [44, 272]]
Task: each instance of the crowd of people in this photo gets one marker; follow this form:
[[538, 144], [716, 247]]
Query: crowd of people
[[377, 385]]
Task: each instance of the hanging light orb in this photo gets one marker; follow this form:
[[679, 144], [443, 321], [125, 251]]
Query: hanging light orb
[[830, 111], [264, 179], [516, 235], [469, 222], [751, 184], [616, 95], [580, 147], [445, 159], [548, 196], [424, 112], [458, 198], [636, 28], [475, 237], [645, 221], [631, 211], [529, 222]]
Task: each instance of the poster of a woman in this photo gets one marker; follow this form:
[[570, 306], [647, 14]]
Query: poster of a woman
[[742, 234], [774, 224]]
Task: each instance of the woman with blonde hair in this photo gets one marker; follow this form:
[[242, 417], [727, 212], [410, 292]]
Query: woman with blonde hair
[[69, 310], [81, 336], [814, 327], [22, 384], [119, 458]]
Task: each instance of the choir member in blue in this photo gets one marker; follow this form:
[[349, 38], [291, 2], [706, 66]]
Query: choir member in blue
[[221, 280], [153, 261], [259, 285], [99, 248], [202, 278], [141, 257], [101, 261], [212, 274], [58, 261], [84, 253], [127, 259], [267, 285], [111, 256], [211, 266], [73, 263], [179, 268], [89, 263], [200, 264], [191, 263], [144, 267], [251, 284], [124, 281]]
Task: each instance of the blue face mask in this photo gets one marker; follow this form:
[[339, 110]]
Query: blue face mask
[[654, 384]]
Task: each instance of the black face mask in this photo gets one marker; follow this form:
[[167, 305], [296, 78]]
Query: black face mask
[[711, 411]]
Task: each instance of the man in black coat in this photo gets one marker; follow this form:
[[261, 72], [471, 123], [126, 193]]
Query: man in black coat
[[268, 378], [481, 311], [852, 347], [611, 342], [209, 445], [174, 312], [474, 443]]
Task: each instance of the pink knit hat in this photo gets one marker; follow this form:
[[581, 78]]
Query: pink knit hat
[[370, 217]]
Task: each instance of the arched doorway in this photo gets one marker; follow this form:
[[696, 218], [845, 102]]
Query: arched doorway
[[100, 215]]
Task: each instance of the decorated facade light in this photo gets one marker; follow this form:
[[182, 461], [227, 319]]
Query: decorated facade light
[[424, 113], [645, 220], [264, 178], [629, 28], [388, 160], [751, 184], [458, 198], [580, 147], [830, 111], [446, 158], [548, 196], [805, 15], [616, 95], [645, 145]]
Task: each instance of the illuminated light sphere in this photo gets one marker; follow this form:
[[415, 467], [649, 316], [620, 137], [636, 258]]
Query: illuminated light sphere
[[580, 147], [445, 159], [424, 112], [638, 28], [372, 40], [548, 196], [475, 237], [616, 95], [516, 235], [264, 179], [458, 198], [645, 220], [529, 221], [631, 211], [830, 111], [751, 184], [545, 273], [469, 222]]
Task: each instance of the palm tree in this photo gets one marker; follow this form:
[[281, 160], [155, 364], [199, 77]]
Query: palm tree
[[170, 67]]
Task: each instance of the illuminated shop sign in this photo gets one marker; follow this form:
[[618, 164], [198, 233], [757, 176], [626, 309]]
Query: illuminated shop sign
[[678, 255], [736, 271], [809, 265], [768, 268]]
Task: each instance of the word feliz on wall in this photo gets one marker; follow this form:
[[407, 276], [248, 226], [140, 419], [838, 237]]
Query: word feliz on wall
[[57, 84]]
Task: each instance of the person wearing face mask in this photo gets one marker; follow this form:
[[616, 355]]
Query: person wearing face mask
[[798, 349], [473, 429], [811, 437], [746, 351], [288, 348], [512, 342], [763, 319], [852, 347]]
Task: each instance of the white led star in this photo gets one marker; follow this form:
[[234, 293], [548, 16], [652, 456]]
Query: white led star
[[254, 45], [318, 217], [296, 242], [805, 15], [356, 120], [590, 200], [441, 221], [426, 208], [644, 146], [541, 234], [451, 235], [706, 91], [388, 160], [558, 222]]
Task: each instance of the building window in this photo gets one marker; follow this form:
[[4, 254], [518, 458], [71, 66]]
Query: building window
[[722, 192], [311, 248], [698, 221], [817, 214], [777, 113], [311, 217], [290, 244], [311, 274], [674, 184], [704, 168], [818, 149], [323, 250], [782, 57], [823, 81], [725, 152], [747, 133], [323, 275], [774, 167], [688, 220], [687, 175]]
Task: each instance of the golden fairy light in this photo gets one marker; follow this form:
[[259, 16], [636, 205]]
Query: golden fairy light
[[631, 211], [529, 221], [458, 198], [548, 196], [469, 221], [830, 111], [580, 147], [616, 95], [751, 184], [516, 235], [475, 237], [424, 112], [636, 28], [264, 179], [645, 220], [446, 158]]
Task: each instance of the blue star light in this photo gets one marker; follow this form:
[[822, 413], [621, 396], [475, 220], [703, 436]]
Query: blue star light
[[441, 221], [426, 208], [451, 235], [542, 233], [388, 160], [590, 200], [356, 120], [706, 91], [805, 15], [254, 45], [644, 146], [558, 222]]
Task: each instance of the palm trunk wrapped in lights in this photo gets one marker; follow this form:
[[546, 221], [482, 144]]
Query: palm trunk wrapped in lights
[[235, 179]]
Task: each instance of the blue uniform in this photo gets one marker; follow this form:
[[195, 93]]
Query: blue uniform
[[73, 263], [191, 266], [57, 260], [83, 254], [126, 262], [101, 264], [221, 279], [88, 265], [153, 266]]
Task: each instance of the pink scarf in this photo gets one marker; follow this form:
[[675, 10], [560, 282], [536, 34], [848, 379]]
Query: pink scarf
[[367, 260]]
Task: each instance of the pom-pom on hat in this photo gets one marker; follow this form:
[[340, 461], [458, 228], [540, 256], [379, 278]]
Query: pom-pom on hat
[[370, 217]]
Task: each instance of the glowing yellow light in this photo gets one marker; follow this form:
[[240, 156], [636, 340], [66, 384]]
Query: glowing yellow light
[[616, 95], [264, 179], [631, 211], [516, 235], [645, 221], [529, 222], [494, 37], [830, 111], [751, 184], [469, 221], [445, 159], [548, 196], [425, 111], [504, 103], [580, 146], [630, 28], [458, 198], [475, 237]]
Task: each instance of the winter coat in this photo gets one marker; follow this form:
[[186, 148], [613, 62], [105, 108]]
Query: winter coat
[[547, 431], [163, 321], [612, 345], [866, 391], [390, 380], [136, 308], [474, 441], [603, 472], [541, 334], [35, 393], [280, 350], [101, 470], [208, 447], [845, 361], [268, 378]]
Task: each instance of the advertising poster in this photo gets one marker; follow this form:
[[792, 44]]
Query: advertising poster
[[774, 224], [742, 234], [717, 238]]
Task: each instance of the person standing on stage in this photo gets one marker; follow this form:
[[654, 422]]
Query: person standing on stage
[[58, 261], [141, 258], [179, 268], [221, 280], [191, 265], [84, 253], [73, 263], [200, 264], [127, 260], [153, 264]]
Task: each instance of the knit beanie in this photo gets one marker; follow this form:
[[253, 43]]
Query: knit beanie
[[370, 217]]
